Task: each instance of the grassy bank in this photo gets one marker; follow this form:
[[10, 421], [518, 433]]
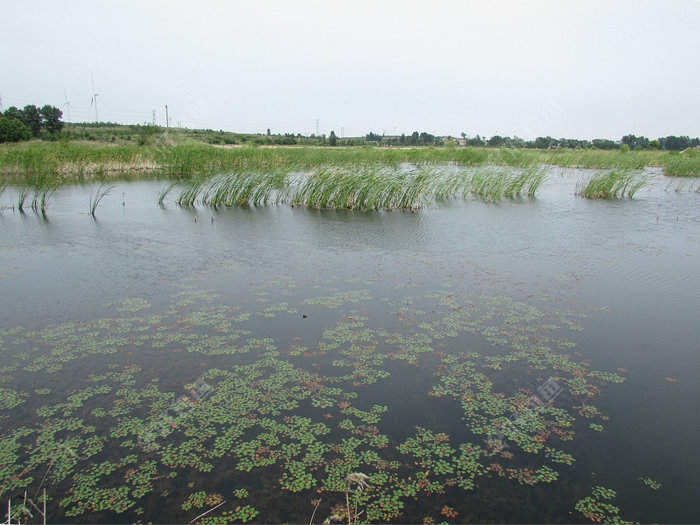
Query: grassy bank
[[72, 161]]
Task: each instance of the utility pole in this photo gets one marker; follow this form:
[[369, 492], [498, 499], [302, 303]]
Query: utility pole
[[342, 132], [317, 121], [154, 117], [167, 120]]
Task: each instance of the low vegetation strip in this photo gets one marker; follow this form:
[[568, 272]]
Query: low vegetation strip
[[66, 161]]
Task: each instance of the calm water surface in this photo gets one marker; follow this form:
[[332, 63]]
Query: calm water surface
[[297, 322]]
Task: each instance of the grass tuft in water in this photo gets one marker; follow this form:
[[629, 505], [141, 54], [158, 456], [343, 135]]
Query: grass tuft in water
[[101, 193], [22, 197], [164, 193], [616, 183], [245, 189], [188, 196], [42, 196]]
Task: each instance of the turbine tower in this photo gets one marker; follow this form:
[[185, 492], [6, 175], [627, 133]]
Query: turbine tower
[[94, 99], [67, 105]]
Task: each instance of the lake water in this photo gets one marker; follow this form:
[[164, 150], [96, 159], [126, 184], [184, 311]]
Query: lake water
[[477, 361]]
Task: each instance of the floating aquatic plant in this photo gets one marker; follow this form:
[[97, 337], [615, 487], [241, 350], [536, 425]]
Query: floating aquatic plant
[[652, 484], [597, 509], [302, 419]]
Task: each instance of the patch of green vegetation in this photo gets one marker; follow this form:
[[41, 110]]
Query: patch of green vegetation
[[300, 423], [180, 155], [612, 184]]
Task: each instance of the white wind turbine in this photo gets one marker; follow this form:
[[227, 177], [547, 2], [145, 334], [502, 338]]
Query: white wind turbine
[[94, 98], [67, 105]]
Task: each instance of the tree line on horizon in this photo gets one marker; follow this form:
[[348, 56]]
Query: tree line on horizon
[[628, 142], [45, 123]]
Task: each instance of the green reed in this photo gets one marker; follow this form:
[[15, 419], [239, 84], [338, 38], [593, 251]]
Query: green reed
[[685, 164], [362, 187], [42, 196], [189, 195], [611, 184], [95, 201], [164, 193], [244, 189]]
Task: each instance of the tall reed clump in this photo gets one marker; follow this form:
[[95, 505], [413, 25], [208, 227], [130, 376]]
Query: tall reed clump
[[188, 196], [614, 183], [363, 188], [245, 189], [235, 189], [685, 164], [492, 184]]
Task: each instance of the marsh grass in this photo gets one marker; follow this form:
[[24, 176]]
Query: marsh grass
[[611, 184], [42, 196], [492, 184], [189, 195], [95, 201], [685, 164], [245, 189], [22, 197], [164, 193], [362, 187], [73, 161]]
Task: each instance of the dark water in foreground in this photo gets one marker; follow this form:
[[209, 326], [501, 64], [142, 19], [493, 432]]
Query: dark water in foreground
[[159, 361]]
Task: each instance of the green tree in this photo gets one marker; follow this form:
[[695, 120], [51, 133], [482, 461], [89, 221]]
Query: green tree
[[13, 113], [675, 143], [604, 144], [496, 141], [31, 117], [332, 140], [634, 142], [13, 130], [427, 138], [51, 118]]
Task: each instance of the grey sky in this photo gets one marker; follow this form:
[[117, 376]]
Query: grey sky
[[561, 68]]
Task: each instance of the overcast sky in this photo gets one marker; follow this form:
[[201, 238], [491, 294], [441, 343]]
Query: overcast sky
[[528, 68]]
